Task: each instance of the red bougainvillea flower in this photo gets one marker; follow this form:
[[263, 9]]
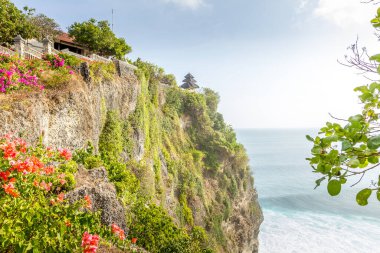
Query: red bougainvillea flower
[[49, 170], [4, 175], [89, 242], [49, 152], [88, 202], [46, 186], [62, 180], [65, 153], [30, 165], [10, 188], [21, 145], [9, 149], [134, 240], [36, 183], [118, 231], [67, 223], [61, 197]]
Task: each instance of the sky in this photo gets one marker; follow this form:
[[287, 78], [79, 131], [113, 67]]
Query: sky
[[274, 63]]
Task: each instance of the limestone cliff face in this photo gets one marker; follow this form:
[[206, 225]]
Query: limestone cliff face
[[67, 117], [73, 115]]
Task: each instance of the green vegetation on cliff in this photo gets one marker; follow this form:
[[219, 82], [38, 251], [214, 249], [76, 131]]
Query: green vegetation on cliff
[[183, 140]]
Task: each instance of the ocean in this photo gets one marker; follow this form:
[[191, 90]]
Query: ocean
[[297, 218]]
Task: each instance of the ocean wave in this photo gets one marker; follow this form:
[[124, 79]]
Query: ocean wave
[[322, 203]]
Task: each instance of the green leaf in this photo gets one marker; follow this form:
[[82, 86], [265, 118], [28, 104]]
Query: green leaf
[[319, 181], [375, 57], [346, 145], [343, 180], [356, 118], [353, 163], [316, 150], [308, 137], [378, 195], [334, 187], [374, 86], [374, 142], [373, 159], [362, 197]]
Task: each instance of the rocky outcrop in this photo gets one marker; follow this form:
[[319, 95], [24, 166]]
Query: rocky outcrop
[[102, 193], [242, 228]]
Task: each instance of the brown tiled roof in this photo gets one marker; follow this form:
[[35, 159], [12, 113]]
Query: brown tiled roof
[[65, 37]]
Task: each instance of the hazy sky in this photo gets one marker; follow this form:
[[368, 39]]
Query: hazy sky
[[274, 63]]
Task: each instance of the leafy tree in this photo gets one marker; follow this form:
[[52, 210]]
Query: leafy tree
[[99, 38], [14, 22], [351, 148], [45, 27]]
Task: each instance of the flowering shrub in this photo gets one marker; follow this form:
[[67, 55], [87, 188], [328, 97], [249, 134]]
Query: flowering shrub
[[34, 212], [16, 74]]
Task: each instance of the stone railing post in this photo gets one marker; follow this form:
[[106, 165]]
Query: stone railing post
[[20, 44], [48, 46]]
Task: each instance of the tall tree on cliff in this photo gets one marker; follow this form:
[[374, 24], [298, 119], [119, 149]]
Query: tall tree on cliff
[[14, 22], [99, 38], [45, 27]]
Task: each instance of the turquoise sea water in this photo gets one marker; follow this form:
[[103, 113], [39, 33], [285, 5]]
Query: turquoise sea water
[[297, 218]]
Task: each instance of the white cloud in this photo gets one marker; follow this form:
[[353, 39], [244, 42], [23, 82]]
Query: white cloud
[[302, 4], [192, 4], [345, 13]]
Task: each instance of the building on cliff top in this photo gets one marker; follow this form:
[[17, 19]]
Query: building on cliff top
[[64, 41], [189, 83]]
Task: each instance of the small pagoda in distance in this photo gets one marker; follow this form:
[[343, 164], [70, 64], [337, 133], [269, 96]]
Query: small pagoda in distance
[[189, 83]]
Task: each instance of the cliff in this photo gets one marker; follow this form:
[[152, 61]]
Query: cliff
[[180, 158]]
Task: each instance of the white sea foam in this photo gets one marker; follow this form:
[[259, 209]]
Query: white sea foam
[[307, 232]]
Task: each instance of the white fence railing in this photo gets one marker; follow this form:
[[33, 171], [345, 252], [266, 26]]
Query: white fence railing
[[32, 54], [99, 58], [5, 50], [67, 51]]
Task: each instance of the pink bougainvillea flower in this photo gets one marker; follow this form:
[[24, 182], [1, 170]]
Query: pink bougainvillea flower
[[46, 186], [62, 180]]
